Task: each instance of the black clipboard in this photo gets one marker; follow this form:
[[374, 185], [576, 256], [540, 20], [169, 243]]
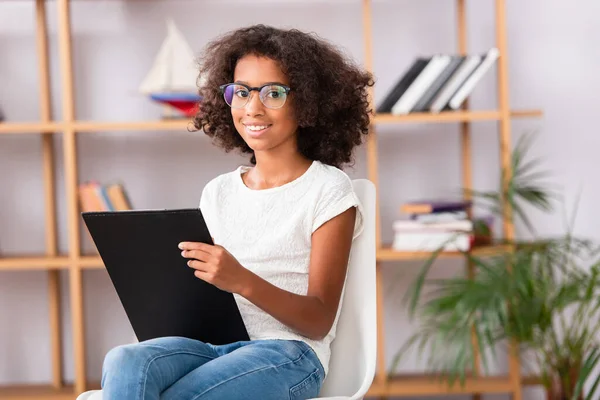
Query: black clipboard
[[158, 290]]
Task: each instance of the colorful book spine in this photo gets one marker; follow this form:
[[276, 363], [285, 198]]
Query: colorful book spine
[[96, 197], [435, 206]]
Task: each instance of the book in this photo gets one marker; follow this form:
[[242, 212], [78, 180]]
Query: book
[[440, 216], [467, 87], [96, 197], [403, 83], [416, 226], [447, 241], [425, 101], [89, 198], [434, 206], [118, 197], [409, 98], [465, 69]]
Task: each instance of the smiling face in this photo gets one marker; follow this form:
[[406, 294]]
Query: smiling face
[[263, 128]]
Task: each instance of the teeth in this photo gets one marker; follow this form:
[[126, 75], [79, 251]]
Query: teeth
[[256, 127]]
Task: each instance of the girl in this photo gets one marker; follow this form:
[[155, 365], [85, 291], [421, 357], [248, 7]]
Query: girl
[[282, 228]]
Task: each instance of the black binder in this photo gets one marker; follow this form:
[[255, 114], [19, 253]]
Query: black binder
[[158, 290]]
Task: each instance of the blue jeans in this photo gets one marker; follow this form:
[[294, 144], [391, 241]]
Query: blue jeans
[[185, 369]]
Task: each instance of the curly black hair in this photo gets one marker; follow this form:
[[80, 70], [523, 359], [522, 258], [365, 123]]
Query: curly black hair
[[331, 93]]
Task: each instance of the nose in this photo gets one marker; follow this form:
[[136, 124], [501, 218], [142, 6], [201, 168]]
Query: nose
[[254, 105]]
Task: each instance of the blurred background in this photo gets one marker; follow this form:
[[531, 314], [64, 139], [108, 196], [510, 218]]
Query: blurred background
[[553, 60]]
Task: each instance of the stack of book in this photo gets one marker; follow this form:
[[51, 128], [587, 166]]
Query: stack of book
[[96, 197], [434, 225], [437, 83]]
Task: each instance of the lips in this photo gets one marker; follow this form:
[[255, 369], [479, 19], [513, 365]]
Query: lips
[[256, 130]]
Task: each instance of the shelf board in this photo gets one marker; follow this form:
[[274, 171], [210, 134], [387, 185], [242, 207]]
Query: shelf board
[[33, 263], [452, 116], [159, 125], [35, 392], [184, 124], [91, 262], [30, 127], [407, 385], [526, 113], [42, 392], [428, 385], [388, 254]]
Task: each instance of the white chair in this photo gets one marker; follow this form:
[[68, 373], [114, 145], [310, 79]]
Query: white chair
[[353, 352]]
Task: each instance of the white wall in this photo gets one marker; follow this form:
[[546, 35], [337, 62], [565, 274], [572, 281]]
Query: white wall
[[553, 62]]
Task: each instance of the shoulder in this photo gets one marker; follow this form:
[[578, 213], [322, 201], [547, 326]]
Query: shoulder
[[336, 195], [332, 180], [221, 184]]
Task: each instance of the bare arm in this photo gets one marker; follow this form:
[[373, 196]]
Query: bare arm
[[310, 315]]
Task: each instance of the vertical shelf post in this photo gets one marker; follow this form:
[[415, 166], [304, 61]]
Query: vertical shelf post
[[467, 161], [505, 160], [49, 193], [372, 161], [70, 163]]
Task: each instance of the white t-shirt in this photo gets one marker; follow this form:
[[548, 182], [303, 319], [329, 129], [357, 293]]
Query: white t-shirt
[[269, 232]]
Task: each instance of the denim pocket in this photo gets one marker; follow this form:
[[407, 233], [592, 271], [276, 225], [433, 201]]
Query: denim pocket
[[308, 388]]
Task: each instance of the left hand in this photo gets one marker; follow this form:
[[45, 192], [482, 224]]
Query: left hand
[[215, 265]]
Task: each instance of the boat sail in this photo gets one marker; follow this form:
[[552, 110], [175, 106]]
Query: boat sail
[[172, 79]]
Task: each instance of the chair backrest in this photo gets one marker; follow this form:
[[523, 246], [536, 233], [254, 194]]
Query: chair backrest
[[354, 349]]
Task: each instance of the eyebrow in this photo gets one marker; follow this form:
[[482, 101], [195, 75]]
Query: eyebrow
[[266, 83]]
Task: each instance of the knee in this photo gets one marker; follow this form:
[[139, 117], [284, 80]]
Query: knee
[[122, 359]]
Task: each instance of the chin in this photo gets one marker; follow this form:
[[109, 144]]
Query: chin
[[262, 146]]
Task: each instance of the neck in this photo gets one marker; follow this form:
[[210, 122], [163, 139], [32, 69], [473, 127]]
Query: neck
[[275, 168]]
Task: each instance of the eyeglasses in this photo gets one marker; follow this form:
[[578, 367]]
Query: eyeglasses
[[272, 96]]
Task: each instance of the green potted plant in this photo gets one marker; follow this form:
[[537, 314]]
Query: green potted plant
[[542, 294]]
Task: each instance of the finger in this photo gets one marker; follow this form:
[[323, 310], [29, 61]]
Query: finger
[[195, 246], [196, 254], [198, 265], [206, 277]]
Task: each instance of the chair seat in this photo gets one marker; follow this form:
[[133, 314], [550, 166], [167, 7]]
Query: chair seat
[[91, 395]]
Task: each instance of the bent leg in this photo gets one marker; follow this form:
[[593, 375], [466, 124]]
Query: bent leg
[[269, 369], [143, 370]]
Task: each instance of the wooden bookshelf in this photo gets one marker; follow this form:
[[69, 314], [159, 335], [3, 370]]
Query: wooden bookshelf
[[402, 385], [37, 392], [45, 392], [77, 263], [184, 124], [160, 125], [27, 262], [430, 385], [384, 385], [30, 127], [91, 262], [386, 253], [452, 116]]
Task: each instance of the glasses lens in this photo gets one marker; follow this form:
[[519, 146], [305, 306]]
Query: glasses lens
[[236, 95], [273, 96]]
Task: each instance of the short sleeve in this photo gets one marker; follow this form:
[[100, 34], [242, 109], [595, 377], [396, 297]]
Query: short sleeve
[[206, 206], [334, 200]]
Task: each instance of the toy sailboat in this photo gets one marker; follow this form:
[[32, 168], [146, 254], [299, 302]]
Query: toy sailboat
[[172, 80]]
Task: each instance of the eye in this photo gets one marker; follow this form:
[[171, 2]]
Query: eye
[[275, 92], [241, 92]]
